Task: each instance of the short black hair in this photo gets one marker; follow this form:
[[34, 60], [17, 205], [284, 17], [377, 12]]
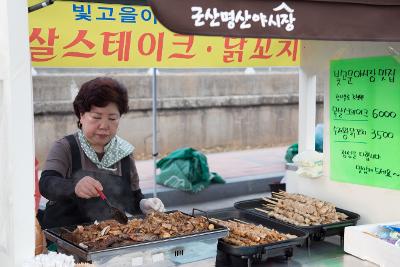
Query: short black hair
[[100, 92]]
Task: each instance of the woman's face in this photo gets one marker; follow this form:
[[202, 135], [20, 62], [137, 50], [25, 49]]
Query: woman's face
[[100, 125]]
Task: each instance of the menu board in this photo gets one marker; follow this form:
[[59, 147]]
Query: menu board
[[365, 121]]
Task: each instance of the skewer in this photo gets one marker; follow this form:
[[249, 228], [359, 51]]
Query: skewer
[[371, 234], [238, 221], [241, 221], [269, 205], [258, 209], [271, 200], [279, 195]]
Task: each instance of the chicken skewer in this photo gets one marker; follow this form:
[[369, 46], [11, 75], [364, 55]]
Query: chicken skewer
[[247, 234], [300, 210]]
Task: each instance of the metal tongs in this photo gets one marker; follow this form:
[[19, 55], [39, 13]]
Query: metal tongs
[[117, 214]]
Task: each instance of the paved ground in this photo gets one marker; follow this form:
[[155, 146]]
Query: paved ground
[[229, 165], [237, 165]]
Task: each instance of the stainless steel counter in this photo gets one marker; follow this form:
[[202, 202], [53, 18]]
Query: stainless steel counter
[[326, 253]]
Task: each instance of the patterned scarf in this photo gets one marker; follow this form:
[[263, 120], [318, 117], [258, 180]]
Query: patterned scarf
[[114, 151]]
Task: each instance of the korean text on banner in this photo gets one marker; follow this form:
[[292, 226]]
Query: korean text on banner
[[365, 121], [76, 34]]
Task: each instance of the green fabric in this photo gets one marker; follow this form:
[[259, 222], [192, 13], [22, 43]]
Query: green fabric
[[114, 151], [52, 247], [186, 169], [292, 151]]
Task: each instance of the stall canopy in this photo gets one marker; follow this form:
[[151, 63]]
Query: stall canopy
[[348, 20], [113, 35]]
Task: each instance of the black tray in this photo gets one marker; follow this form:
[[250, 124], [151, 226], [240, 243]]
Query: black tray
[[316, 232], [263, 251]]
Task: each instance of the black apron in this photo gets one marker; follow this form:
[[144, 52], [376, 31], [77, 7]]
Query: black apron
[[79, 210]]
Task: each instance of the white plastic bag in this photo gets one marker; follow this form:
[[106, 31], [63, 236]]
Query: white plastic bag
[[52, 259], [309, 163]]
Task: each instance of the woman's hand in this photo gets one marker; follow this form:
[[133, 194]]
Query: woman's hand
[[86, 187]]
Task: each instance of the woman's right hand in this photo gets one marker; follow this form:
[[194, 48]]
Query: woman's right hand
[[86, 187]]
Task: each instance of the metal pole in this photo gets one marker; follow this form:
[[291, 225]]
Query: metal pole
[[40, 5], [154, 120]]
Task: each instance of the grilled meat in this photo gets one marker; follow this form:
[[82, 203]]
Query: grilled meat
[[248, 234], [155, 226]]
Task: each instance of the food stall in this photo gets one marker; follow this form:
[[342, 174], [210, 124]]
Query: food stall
[[330, 32], [69, 50], [314, 72], [342, 35], [42, 50]]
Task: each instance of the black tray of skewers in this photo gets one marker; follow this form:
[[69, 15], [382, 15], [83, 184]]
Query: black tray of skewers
[[319, 218], [253, 238]]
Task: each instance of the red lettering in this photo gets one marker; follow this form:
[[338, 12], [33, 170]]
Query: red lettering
[[188, 45], [152, 46], [44, 51], [288, 49], [229, 54], [122, 42], [80, 38], [261, 51]]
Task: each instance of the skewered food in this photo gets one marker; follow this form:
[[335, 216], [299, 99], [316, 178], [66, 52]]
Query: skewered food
[[248, 234], [301, 210], [155, 226]]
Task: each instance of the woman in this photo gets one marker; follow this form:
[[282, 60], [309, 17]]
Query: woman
[[93, 159]]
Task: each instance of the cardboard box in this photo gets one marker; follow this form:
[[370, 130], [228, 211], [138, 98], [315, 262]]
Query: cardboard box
[[367, 247]]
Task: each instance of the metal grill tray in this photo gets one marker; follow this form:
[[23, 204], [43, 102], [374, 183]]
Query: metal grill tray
[[316, 232], [280, 248], [55, 235]]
